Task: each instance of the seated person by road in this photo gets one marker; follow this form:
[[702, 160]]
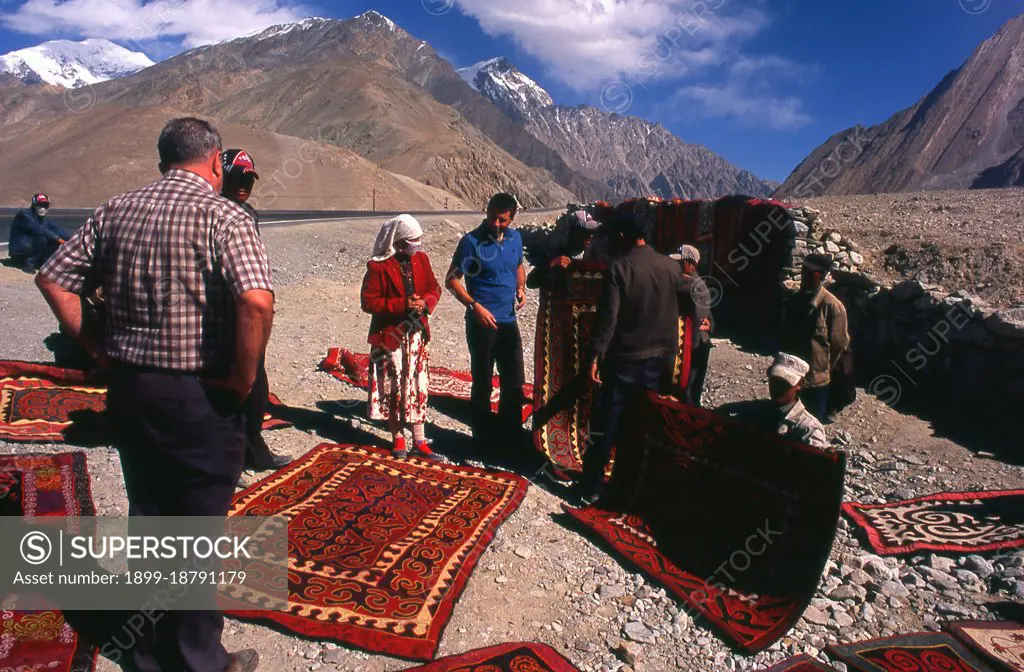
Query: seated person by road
[[34, 238]]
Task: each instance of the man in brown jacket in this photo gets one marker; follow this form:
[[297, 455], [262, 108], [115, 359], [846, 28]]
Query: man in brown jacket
[[814, 329]]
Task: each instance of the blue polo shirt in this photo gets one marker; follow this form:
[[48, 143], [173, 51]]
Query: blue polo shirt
[[490, 269]]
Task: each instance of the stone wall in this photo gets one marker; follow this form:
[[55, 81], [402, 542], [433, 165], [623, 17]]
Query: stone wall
[[810, 235]]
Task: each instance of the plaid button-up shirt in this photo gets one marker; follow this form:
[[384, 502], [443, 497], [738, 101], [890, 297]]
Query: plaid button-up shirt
[[171, 259]]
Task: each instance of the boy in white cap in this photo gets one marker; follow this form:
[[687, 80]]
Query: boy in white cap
[[695, 301], [785, 379]]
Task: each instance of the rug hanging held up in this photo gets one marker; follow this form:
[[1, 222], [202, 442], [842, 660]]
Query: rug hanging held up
[[733, 520], [49, 404], [951, 522], [513, 657], [562, 395], [43, 485], [379, 550]]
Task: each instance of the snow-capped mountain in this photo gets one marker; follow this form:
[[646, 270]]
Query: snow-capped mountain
[[72, 64], [508, 88], [632, 156]]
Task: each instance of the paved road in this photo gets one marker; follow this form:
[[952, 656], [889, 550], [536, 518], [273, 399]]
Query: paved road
[[70, 219]]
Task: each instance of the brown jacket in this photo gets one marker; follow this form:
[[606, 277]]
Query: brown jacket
[[814, 329]]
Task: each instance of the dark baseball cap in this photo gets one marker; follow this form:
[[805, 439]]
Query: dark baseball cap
[[238, 162]]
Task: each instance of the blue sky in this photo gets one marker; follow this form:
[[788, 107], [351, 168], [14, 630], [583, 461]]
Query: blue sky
[[761, 83]]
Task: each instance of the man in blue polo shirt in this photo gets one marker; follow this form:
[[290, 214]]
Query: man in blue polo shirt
[[490, 261]]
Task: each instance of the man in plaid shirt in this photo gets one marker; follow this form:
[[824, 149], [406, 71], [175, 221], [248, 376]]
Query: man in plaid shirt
[[189, 307]]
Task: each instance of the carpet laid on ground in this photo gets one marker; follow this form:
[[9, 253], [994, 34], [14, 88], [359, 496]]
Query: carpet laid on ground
[[43, 485], [379, 549], [50, 404], [352, 368], [999, 642], [562, 396], [801, 663], [951, 522], [730, 518], [512, 657], [921, 652]]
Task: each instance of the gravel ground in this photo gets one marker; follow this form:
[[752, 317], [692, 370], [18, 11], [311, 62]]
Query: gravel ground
[[539, 580]]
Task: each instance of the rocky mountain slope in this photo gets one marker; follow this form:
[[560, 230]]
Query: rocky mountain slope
[[630, 156], [71, 64], [968, 132], [107, 150]]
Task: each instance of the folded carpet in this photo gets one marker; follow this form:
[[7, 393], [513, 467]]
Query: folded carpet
[[43, 485], [379, 550], [352, 368], [801, 663], [951, 522], [730, 518], [50, 404], [513, 657], [926, 652]]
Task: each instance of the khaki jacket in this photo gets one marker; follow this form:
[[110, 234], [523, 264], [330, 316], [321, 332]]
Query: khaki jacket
[[815, 330]]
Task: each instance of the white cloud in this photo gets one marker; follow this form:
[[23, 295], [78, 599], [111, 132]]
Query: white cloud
[[732, 100], [193, 22], [586, 43]]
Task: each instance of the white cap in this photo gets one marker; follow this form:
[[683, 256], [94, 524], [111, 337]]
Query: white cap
[[789, 368], [686, 253]]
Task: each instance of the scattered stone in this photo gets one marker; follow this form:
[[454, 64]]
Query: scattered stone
[[629, 652], [842, 619], [638, 632], [893, 589], [334, 656], [979, 566], [816, 616], [844, 592], [952, 609], [611, 590], [860, 578], [940, 563], [523, 552]]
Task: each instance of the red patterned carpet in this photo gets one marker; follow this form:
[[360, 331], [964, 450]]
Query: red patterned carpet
[[954, 522], [43, 403], [514, 657], [562, 398], [1001, 642], [351, 368], [922, 652], [43, 485], [734, 521], [379, 549], [801, 663]]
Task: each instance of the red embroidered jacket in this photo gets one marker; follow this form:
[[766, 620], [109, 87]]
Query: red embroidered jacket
[[383, 296]]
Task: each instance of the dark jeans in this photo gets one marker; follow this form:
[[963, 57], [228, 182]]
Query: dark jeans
[[619, 379], [257, 453], [181, 447], [502, 346], [698, 374], [42, 249], [816, 402]]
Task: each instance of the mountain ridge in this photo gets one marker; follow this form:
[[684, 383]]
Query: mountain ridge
[[73, 64]]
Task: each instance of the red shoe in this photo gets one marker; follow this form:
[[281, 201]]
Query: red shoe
[[422, 450], [398, 449]]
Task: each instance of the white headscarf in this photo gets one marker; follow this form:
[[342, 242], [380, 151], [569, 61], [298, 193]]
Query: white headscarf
[[393, 231]]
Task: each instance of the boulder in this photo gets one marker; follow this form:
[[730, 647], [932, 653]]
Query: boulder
[[1008, 323]]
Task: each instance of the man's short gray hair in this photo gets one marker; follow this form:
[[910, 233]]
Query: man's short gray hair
[[187, 139]]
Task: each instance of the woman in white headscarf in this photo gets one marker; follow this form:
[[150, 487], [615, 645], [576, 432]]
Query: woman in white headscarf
[[400, 292]]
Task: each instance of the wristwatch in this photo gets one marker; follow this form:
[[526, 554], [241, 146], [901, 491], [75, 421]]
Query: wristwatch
[[471, 306]]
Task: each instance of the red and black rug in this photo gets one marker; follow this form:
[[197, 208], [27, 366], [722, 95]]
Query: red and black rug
[[801, 663], [43, 485], [952, 522], [379, 549], [352, 368], [1000, 642], [562, 397], [514, 657], [921, 652], [732, 519], [50, 404]]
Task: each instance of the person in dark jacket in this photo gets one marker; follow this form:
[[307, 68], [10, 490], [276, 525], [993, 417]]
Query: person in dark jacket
[[239, 179], [695, 303], [577, 245], [634, 341], [34, 238]]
